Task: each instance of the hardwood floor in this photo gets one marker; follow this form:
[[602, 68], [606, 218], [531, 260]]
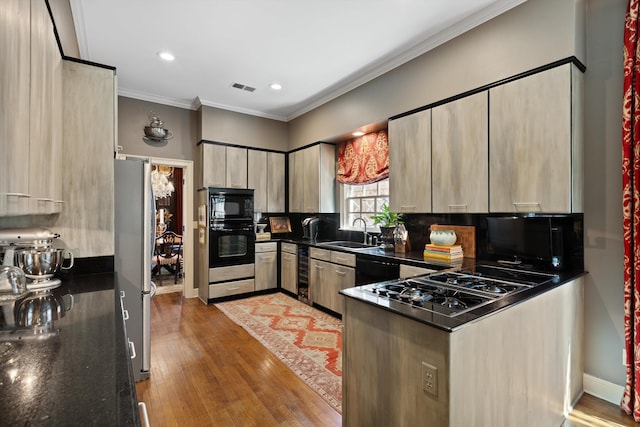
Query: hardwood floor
[[207, 371]]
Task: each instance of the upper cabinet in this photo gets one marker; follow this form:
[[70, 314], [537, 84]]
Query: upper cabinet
[[15, 71], [312, 173], [238, 167], [236, 175], [31, 110], [266, 177], [45, 141], [535, 154], [275, 182], [214, 161], [410, 163], [460, 155]]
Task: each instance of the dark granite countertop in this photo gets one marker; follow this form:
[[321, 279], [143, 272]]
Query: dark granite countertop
[[416, 258], [79, 374]]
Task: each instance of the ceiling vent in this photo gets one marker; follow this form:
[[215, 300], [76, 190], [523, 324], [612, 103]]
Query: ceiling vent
[[243, 87]]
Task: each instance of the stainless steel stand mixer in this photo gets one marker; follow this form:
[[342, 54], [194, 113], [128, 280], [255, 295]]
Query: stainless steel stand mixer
[[31, 249], [28, 304]]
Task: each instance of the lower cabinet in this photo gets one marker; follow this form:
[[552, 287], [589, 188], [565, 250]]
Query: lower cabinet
[[289, 267], [228, 281], [266, 265], [329, 273]]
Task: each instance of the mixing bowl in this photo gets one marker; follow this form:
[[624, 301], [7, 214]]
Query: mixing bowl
[[41, 263]]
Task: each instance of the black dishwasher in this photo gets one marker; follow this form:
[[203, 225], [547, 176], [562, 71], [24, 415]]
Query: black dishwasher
[[370, 270]]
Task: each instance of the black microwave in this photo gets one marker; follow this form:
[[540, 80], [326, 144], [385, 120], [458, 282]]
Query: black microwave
[[230, 205], [539, 240]]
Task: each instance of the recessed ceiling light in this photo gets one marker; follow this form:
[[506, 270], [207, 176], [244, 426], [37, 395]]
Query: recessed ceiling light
[[166, 56], [275, 86], [357, 133]]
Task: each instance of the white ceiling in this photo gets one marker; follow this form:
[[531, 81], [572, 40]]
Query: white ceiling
[[317, 50]]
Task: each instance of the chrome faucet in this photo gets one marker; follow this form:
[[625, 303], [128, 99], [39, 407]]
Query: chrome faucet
[[365, 234]]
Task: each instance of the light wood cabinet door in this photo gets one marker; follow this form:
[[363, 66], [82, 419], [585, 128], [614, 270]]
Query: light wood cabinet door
[[266, 270], [257, 178], [86, 221], [45, 113], [214, 158], [460, 155], [237, 167], [410, 163], [296, 181], [289, 272], [343, 278], [311, 183], [275, 182], [312, 173], [530, 143], [15, 80], [320, 279]]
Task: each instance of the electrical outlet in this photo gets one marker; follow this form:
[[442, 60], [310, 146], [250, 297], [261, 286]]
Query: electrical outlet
[[430, 379]]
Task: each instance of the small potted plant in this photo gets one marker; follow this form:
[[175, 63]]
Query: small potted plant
[[387, 222]]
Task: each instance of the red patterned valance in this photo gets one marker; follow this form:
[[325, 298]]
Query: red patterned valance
[[364, 160]]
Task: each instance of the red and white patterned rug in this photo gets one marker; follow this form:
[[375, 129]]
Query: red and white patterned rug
[[307, 340]]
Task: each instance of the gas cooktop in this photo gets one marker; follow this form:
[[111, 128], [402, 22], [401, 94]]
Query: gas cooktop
[[451, 293]]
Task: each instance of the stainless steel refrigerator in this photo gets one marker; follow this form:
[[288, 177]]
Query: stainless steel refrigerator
[[134, 242]]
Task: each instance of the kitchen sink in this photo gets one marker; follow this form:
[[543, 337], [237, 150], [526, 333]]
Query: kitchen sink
[[345, 244]]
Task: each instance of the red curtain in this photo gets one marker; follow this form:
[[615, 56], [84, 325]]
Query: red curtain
[[364, 160], [631, 209]]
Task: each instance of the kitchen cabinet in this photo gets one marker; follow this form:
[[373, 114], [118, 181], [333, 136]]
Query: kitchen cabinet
[[265, 174], [312, 173], [410, 163], [89, 134], [289, 267], [31, 113], [460, 155], [236, 175], [266, 266], [275, 182], [214, 162], [45, 140], [329, 273], [223, 166], [535, 157], [14, 97], [257, 178]]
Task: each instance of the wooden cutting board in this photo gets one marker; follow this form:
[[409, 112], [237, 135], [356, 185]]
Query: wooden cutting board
[[466, 236]]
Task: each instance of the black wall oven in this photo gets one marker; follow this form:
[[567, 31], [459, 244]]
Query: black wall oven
[[231, 233]]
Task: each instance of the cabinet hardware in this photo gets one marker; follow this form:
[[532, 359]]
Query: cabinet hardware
[[527, 205], [457, 207], [17, 195]]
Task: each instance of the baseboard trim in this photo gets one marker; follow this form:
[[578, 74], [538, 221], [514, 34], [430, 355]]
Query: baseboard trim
[[603, 389]]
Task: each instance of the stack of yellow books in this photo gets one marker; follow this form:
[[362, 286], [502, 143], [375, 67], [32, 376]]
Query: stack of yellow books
[[441, 253]]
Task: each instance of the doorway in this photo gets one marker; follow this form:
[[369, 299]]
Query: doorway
[[180, 221]]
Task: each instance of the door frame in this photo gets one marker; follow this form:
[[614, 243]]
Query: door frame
[[189, 225]]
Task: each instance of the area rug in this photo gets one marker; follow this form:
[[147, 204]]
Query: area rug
[[307, 340]]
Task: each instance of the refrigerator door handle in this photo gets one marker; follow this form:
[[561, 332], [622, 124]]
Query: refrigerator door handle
[[154, 288]]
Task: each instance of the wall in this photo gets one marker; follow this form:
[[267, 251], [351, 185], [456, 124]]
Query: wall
[[242, 129], [133, 116], [535, 33], [603, 196]]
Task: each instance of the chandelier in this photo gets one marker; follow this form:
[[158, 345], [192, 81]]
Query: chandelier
[[161, 185]]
